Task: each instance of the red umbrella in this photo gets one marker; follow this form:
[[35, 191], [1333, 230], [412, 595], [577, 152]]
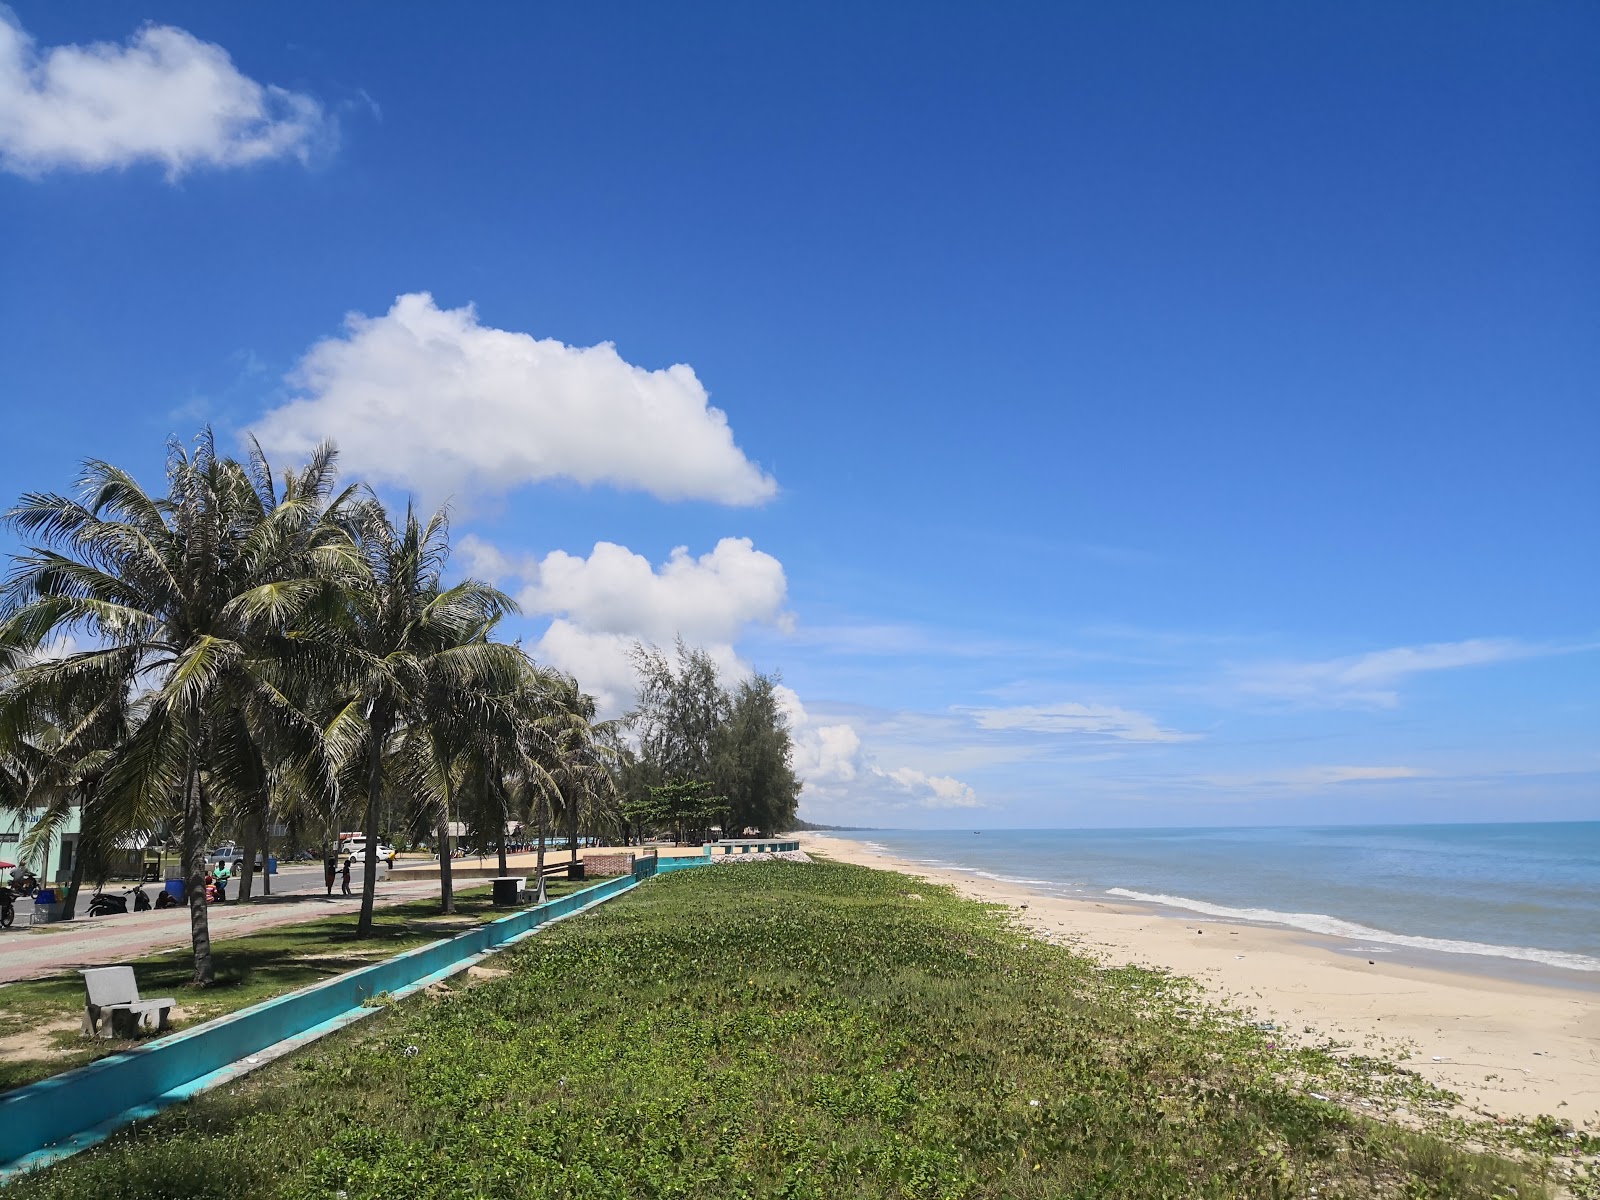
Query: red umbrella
[[4, 865]]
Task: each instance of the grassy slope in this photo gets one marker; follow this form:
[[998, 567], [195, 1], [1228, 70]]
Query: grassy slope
[[251, 968], [783, 1030]]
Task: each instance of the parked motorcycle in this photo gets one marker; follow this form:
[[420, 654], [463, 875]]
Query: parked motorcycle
[[141, 902], [28, 884], [103, 904], [8, 909]]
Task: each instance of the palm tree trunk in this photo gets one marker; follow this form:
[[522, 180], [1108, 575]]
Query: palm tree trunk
[[266, 847], [248, 863], [69, 906], [194, 860], [504, 869], [447, 893], [378, 731], [538, 863]]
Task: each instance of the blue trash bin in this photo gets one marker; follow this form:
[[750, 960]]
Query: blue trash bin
[[272, 864], [175, 889]]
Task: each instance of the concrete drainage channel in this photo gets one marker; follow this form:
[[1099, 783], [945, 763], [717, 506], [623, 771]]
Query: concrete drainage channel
[[57, 1117]]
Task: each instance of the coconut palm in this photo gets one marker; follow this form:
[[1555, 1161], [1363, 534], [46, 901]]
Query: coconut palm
[[415, 653], [579, 760], [190, 599]]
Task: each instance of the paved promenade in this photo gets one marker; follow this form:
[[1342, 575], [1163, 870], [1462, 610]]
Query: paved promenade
[[99, 941]]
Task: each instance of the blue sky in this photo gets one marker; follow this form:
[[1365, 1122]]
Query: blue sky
[[1101, 415]]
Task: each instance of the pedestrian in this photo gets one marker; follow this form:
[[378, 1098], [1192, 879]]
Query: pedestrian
[[344, 877], [222, 886], [328, 871]]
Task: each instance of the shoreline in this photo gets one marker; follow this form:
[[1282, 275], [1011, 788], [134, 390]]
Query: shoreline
[[1511, 1047]]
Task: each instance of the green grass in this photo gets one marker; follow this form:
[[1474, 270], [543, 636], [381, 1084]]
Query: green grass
[[792, 1031], [250, 968]]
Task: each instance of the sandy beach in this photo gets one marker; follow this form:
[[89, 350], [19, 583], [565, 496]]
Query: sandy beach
[[1508, 1047]]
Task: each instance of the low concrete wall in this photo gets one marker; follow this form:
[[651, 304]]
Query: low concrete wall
[[681, 863], [43, 1114], [599, 865]]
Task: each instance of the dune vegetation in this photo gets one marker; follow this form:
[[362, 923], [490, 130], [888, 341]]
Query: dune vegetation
[[789, 1030]]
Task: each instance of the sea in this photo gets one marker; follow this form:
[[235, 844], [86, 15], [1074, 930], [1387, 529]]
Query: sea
[[1482, 896]]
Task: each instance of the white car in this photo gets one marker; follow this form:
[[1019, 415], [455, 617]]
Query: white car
[[356, 848]]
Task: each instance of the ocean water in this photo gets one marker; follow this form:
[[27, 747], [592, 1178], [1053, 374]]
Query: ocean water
[[1528, 893]]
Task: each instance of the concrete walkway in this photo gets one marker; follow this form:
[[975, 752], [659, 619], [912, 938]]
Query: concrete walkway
[[101, 941]]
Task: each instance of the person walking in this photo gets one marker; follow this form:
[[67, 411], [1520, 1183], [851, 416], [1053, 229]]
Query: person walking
[[344, 877], [329, 869]]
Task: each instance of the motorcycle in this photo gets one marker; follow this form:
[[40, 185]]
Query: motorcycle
[[141, 902], [102, 904], [28, 884], [8, 909]]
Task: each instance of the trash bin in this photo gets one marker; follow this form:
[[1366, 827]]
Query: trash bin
[[174, 889], [575, 870], [272, 864]]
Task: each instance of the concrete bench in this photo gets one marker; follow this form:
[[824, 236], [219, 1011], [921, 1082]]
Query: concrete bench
[[112, 1008]]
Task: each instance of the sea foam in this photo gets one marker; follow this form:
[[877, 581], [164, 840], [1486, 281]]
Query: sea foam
[[1335, 927]]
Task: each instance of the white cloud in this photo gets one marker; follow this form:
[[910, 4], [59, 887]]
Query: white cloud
[[1105, 721], [1317, 777], [430, 399], [600, 605], [711, 598], [932, 791], [1373, 679], [842, 781], [823, 754], [164, 97]]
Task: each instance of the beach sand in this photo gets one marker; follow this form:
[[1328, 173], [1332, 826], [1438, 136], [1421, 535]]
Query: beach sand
[[1508, 1047]]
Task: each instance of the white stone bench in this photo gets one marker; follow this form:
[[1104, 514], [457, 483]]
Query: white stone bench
[[112, 1008]]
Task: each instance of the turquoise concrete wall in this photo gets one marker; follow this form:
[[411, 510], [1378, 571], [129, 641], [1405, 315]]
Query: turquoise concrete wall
[[680, 864], [43, 1114]]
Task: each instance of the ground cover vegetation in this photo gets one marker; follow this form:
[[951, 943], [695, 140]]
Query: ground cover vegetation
[[790, 1030], [249, 969], [249, 651]]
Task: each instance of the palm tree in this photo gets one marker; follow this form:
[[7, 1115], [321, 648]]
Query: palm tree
[[417, 653], [578, 760], [189, 598]]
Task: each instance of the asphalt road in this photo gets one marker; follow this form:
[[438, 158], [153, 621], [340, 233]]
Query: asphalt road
[[291, 879]]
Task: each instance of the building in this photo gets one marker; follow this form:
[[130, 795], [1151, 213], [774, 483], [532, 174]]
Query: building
[[52, 862]]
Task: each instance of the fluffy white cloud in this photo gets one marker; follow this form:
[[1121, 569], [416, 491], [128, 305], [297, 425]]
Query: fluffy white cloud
[[709, 599], [430, 399], [843, 782], [933, 791], [1373, 679], [1104, 721], [600, 605], [164, 97]]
